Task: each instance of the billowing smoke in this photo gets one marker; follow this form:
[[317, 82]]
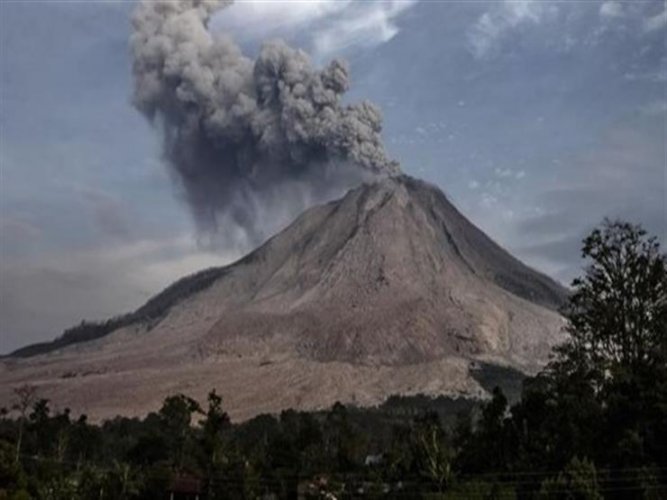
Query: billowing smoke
[[247, 137]]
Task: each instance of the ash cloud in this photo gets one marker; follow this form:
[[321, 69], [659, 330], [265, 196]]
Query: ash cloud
[[248, 138]]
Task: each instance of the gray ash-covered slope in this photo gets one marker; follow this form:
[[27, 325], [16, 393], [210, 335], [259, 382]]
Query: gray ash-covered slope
[[392, 273], [482, 254], [387, 290]]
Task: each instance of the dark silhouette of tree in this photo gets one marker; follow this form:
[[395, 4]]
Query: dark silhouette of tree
[[618, 312], [615, 362], [25, 396], [603, 398], [213, 427], [578, 481], [433, 453], [175, 422]]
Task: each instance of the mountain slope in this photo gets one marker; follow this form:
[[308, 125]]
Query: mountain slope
[[387, 290]]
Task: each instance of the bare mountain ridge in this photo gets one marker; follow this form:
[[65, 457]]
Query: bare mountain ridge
[[482, 256], [390, 274], [387, 290]]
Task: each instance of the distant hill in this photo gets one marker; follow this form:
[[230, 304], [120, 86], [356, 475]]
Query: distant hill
[[151, 312]]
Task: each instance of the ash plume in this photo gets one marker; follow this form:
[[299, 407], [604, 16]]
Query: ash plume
[[247, 137]]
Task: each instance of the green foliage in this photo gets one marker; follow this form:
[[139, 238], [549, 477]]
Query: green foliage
[[175, 419], [433, 453], [578, 481], [618, 311], [214, 459], [481, 490], [12, 476]]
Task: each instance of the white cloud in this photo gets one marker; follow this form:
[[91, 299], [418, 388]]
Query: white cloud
[[611, 9], [261, 19], [364, 24], [555, 25], [505, 173], [654, 108], [655, 76], [495, 24], [330, 26], [488, 200], [656, 22], [17, 229]]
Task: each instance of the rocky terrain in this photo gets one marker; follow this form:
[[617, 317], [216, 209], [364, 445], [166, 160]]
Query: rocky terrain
[[389, 290]]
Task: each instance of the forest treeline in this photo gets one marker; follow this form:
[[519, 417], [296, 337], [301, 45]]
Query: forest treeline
[[591, 425]]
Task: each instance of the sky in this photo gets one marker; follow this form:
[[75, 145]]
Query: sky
[[536, 118]]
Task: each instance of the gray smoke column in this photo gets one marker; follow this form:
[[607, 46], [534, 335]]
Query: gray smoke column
[[245, 137]]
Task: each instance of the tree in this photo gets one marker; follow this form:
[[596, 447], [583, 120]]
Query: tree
[[486, 448], [12, 475], [618, 344], [121, 481], [25, 396], [342, 441], [214, 424], [41, 428], [618, 311], [604, 395], [175, 418], [578, 481], [433, 453]]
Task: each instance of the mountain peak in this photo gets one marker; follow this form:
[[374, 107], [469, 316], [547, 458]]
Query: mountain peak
[[386, 290], [428, 207]]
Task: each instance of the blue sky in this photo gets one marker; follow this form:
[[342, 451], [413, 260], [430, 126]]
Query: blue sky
[[537, 118]]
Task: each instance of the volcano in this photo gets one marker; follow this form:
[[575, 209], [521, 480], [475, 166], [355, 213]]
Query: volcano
[[388, 290]]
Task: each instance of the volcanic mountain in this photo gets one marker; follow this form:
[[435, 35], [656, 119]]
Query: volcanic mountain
[[388, 290]]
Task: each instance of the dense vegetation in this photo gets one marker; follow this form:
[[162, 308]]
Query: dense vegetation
[[591, 425]]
